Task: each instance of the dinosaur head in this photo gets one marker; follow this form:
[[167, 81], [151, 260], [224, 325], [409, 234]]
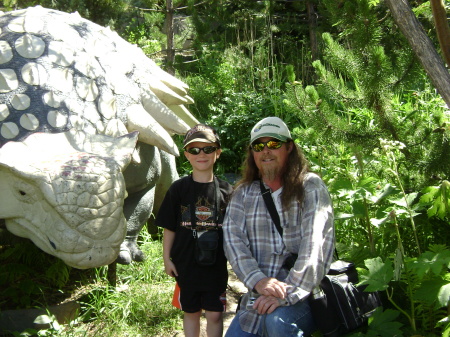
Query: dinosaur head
[[66, 80], [65, 192]]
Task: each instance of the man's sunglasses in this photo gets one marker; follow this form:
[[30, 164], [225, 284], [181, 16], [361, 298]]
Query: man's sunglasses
[[271, 145], [197, 150]]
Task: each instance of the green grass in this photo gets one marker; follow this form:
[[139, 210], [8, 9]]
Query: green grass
[[143, 307], [140, 304]]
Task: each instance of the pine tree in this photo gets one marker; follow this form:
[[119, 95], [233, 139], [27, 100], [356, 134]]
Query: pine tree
[[363, 71]]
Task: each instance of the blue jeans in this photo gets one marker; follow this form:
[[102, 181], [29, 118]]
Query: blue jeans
[[291, 321]]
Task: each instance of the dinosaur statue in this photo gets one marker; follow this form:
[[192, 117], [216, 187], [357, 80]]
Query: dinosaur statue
[[86, 120]]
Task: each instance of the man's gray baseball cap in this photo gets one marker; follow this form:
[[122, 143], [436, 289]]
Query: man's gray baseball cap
[[270, 127]]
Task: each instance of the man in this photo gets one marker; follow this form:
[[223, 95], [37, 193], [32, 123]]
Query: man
[[256, 249]]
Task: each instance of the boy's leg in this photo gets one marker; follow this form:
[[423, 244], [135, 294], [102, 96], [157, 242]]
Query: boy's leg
[[234, 330], [213, 305], [191, 305], [214, 323], [291, 321], [191, 324]]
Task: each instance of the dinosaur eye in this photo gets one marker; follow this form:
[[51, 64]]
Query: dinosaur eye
[[26, 192]]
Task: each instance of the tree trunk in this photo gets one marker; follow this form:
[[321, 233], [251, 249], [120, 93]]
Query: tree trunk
[[422, 46], [312, 23], [170, 55], [442, 28]]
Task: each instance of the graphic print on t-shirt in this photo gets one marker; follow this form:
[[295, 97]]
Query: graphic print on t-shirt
[[204, 214]]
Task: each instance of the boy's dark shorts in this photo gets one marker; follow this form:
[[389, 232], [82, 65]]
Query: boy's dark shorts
[[194, 301]]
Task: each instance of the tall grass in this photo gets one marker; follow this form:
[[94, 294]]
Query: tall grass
[[139, 305]]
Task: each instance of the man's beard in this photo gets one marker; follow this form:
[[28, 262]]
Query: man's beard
[[270, 173]]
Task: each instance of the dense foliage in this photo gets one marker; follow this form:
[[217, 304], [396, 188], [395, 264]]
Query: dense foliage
[[359, 104]]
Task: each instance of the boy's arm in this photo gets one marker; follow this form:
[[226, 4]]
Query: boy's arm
[[169, 266]]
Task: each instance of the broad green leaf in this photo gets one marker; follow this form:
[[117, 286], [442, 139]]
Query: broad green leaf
[[361, 194], [378, 276], [382, 323], [359, 210], [438, 197], [387, 191], [429, 194], [377, 222], [399, 202], [434, 291], [411, 197], [429, 261], [366, 182], [341, 184]]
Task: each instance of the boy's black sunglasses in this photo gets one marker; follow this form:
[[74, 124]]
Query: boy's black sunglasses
[[271, 144], [197, 150]]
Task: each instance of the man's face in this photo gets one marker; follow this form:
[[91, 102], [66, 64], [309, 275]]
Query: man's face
[[271, 163]]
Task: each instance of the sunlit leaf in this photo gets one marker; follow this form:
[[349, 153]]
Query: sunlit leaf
[[343, 216], [430, 261], [387, 191], [399, 202], [43, 319], [438, 197], [377, 222], [379, 274]]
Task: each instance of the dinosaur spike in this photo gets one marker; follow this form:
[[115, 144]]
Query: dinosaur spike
[[150, 131], [170, 121], [182, 112], [164, 93]]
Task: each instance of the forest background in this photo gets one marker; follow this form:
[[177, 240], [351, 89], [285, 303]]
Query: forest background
[[359, 102]]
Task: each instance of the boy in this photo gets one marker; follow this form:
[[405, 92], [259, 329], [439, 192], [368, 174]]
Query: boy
[[194, 206]]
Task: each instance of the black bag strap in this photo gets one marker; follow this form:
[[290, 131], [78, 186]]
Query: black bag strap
[[274, 214], [271, 207]]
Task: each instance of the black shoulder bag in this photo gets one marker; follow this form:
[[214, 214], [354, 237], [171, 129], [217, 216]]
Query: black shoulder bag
[[207, 242], [337, 304]]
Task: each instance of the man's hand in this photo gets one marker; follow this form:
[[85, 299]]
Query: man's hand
[[266, 304], [270, 286]]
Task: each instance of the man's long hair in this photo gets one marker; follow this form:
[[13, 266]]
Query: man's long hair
[[292, 176]]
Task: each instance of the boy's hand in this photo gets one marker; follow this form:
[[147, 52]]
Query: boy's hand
[[170, 269]]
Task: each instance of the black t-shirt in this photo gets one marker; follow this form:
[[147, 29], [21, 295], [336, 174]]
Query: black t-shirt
[[175, 215]]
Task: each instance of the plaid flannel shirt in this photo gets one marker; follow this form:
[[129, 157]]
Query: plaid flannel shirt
[[256, 250]]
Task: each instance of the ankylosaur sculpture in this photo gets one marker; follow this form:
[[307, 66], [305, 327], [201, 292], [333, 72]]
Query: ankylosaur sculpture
[[86, 151]]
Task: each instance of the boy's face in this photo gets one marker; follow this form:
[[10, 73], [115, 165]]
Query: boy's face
[[202, 161]]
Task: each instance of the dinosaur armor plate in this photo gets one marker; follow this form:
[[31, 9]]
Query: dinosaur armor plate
[[78, 106]]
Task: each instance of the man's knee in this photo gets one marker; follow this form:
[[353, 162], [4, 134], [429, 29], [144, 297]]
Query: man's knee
[[287, 322]]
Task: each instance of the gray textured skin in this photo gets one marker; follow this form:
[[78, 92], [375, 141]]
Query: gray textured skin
[[99, 97], [146, 186]]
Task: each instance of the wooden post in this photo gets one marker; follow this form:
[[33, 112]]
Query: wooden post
[[170, 56], [312, 23], [112, 274]]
